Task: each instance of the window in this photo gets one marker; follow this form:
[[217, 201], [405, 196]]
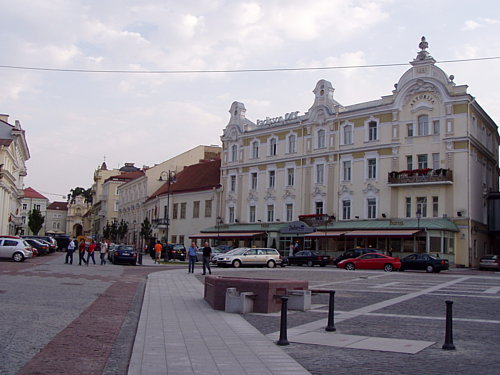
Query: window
[[272, 147], [24, 219], [348, 135], [165, 211], [231, 215], [289, 212], [272, 178], [234, 153], [232, 184], [408, 207], [255, 150], [372, 208], [181, 239], [291, 143], [372, 168], [409, 130], [116, 206], [435, 206], [208, 208], [435, 160], [175, 211], [372, 131], [196, 209], [346, 168], [37, 207], [409, 162], [321, 138], [251, 215], [435, 127], [422, 161], [173, 238], [290, 172], [183, 210], [346, 209], [253, 181], [270, 213], [423, 125], [25, 206], [320, 173], [319, 208], [422, 206]]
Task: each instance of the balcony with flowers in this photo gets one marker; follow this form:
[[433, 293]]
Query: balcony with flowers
[[421, 176]]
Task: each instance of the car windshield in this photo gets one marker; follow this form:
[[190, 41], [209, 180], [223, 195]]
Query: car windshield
[[237, 251], [126, 248]]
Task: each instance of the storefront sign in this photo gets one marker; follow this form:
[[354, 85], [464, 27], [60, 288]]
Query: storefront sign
[[277, 120], [297, 227]]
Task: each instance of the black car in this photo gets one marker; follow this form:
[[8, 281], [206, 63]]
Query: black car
[[51, 242], [425, 262], [174, 251], [41, 247], [124, 254], [309, 258], [354, 253]]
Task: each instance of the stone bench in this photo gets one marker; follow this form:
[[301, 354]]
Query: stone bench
[[266, 291]]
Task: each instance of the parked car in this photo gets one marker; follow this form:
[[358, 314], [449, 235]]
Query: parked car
[[174, 251], [489, 262], [371, 261], [354, 253], [308, 258], [111, 250], [52, 243], [15, 248], [250, 257], [41, 247], [424, 262], [215, 251], [124, 254], [224, 248], [62, 241]]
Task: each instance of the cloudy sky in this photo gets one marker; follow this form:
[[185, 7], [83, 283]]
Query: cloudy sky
[[73, 120]]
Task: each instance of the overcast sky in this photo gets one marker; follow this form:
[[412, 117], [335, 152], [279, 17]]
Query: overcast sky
[[74, 120]]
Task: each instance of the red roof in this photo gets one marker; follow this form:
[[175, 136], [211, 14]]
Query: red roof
[[197, 177], [63, 206], [126, 176], [32, 193]]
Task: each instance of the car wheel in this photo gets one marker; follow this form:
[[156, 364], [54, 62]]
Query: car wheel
[[236, 264], [271, 264], [350, 267], [429, 268], [388, 267], [310, 263], [18, 257]]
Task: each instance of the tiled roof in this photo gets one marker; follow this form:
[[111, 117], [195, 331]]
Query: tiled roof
[[201, 176], [32, 193], [58, 206]]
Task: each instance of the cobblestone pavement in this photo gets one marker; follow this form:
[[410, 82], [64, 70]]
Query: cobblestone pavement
[[68, 319], [476, 297]]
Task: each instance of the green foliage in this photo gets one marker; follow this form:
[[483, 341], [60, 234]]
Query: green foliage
[[146, 230], [35, 221], [122, 229], [85, 193]]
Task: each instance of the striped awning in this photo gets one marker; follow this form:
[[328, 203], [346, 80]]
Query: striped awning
[[228, 235]]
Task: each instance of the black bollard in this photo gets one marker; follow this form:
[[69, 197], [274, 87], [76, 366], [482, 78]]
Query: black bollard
[[448, 341], [283, 337], [331, 326]]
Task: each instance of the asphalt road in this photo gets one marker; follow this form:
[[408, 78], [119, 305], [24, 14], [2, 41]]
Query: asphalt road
[[70, 319]]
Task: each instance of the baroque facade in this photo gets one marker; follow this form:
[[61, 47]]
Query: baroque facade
[[408, 172]]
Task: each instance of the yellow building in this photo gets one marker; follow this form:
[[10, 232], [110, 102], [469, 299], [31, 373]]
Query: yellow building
[[408, 172]]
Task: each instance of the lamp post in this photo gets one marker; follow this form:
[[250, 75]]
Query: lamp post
[[218, 222], [168, 176], [419, 215], [327, 218]]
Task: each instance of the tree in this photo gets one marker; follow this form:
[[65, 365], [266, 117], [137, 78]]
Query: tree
[[35, 221], [85, 193], [146, 230], [122, 229]]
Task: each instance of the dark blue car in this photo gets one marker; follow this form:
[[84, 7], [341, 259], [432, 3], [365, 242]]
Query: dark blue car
[[124, 254]]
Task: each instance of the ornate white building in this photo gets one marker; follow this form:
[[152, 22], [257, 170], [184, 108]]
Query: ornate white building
[[408, 172], [14, 153]]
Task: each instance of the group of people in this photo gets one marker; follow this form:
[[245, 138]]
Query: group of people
[[192, 257], [90, 249]]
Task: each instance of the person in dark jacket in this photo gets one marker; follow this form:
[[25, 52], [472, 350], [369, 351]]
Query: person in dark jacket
[[207, 255]]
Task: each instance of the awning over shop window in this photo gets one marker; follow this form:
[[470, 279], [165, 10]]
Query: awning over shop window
[[382, 233], [228, 235], [328, 233]]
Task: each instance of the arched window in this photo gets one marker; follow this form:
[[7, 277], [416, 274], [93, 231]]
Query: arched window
[[255, 150], [273, 147], [347, 135]]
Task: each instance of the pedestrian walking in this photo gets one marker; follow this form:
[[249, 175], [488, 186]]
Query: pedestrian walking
[[296, 247], [69, 252], [104, 252], [290, 250], [90, 252], [192, 256], [207, 256], [158, 249], [81, 252]]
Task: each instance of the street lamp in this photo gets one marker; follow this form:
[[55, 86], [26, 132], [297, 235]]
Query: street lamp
[[419, 215], [218, 222], [170, 177]]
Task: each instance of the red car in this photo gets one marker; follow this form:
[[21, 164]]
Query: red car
[[371, 261]]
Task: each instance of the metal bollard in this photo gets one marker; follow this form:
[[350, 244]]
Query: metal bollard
[[283, 336], [448, 341], [331, 326]]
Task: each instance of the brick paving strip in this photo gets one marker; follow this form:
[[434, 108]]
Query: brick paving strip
[[100, 340]]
